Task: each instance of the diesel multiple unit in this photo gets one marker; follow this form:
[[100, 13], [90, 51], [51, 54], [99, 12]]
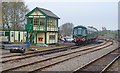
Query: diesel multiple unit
[[83, 35]]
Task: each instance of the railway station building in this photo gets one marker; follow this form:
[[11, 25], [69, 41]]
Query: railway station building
[[13, 36], [42, 26]]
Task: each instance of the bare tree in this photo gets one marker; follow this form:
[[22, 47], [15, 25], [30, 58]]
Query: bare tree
[[13, 15], [66, 28]]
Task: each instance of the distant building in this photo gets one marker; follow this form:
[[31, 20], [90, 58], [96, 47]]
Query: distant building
[[104, 29]]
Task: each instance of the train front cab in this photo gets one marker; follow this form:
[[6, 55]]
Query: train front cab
[[79, 35], [80, 41]]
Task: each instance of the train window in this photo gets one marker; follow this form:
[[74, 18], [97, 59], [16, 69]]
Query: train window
[[88, 32], [75, 31], [79, 30], [83, 31]]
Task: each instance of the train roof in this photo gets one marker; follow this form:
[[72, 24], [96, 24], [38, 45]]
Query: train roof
[[91, 28], [88, 28], [80, 26]]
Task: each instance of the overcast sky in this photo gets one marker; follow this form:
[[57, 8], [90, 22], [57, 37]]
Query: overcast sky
[[86, 13]]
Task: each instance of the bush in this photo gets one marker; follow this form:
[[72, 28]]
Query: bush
[[57, 44]]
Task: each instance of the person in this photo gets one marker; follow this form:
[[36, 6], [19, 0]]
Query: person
[[65, 39], [60, 37]]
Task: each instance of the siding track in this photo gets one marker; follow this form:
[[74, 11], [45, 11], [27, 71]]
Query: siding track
[[101, 64]]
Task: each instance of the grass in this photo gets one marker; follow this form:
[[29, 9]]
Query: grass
[[110, 34], [42, 48], [17, 43], [33, 48], [37, 48]]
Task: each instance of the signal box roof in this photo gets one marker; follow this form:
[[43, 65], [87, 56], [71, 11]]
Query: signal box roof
[[44, 11]]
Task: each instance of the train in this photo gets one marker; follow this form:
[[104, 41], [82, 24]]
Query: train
[[84, 35]]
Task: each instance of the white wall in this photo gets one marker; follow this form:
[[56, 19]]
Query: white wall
[[52, 41], [40, 35], [16, 35], [12, 35], [21, 36]]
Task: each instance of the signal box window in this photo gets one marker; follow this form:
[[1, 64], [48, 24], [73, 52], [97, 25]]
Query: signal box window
[[36, 21], [1, 33], [42, 21], [52, 37], [30, 20]]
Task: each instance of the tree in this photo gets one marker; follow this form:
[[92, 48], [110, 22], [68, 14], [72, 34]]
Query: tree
[[13, 15], [66, 29]]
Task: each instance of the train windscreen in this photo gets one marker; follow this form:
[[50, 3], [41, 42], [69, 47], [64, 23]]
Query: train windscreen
[[79, 31], [75, 32]]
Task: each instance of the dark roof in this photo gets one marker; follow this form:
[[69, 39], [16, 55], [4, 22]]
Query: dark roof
[[80, 26], [48, 12], [92, 28]]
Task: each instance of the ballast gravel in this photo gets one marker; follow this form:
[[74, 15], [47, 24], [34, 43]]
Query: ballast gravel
[[75, 63], [15, 63]]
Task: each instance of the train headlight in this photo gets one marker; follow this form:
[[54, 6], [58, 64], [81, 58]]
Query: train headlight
[[83, 39], [74, 40], [15, 48]]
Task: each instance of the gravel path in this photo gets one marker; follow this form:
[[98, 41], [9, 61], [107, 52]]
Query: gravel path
[[73, 64]]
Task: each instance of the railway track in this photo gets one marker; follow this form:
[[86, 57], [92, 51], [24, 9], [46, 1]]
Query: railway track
[[27, 53], [113, 66], [40, 53], [33, 54], [7, 56], [51, 61], [101, 64], [110, 64]]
